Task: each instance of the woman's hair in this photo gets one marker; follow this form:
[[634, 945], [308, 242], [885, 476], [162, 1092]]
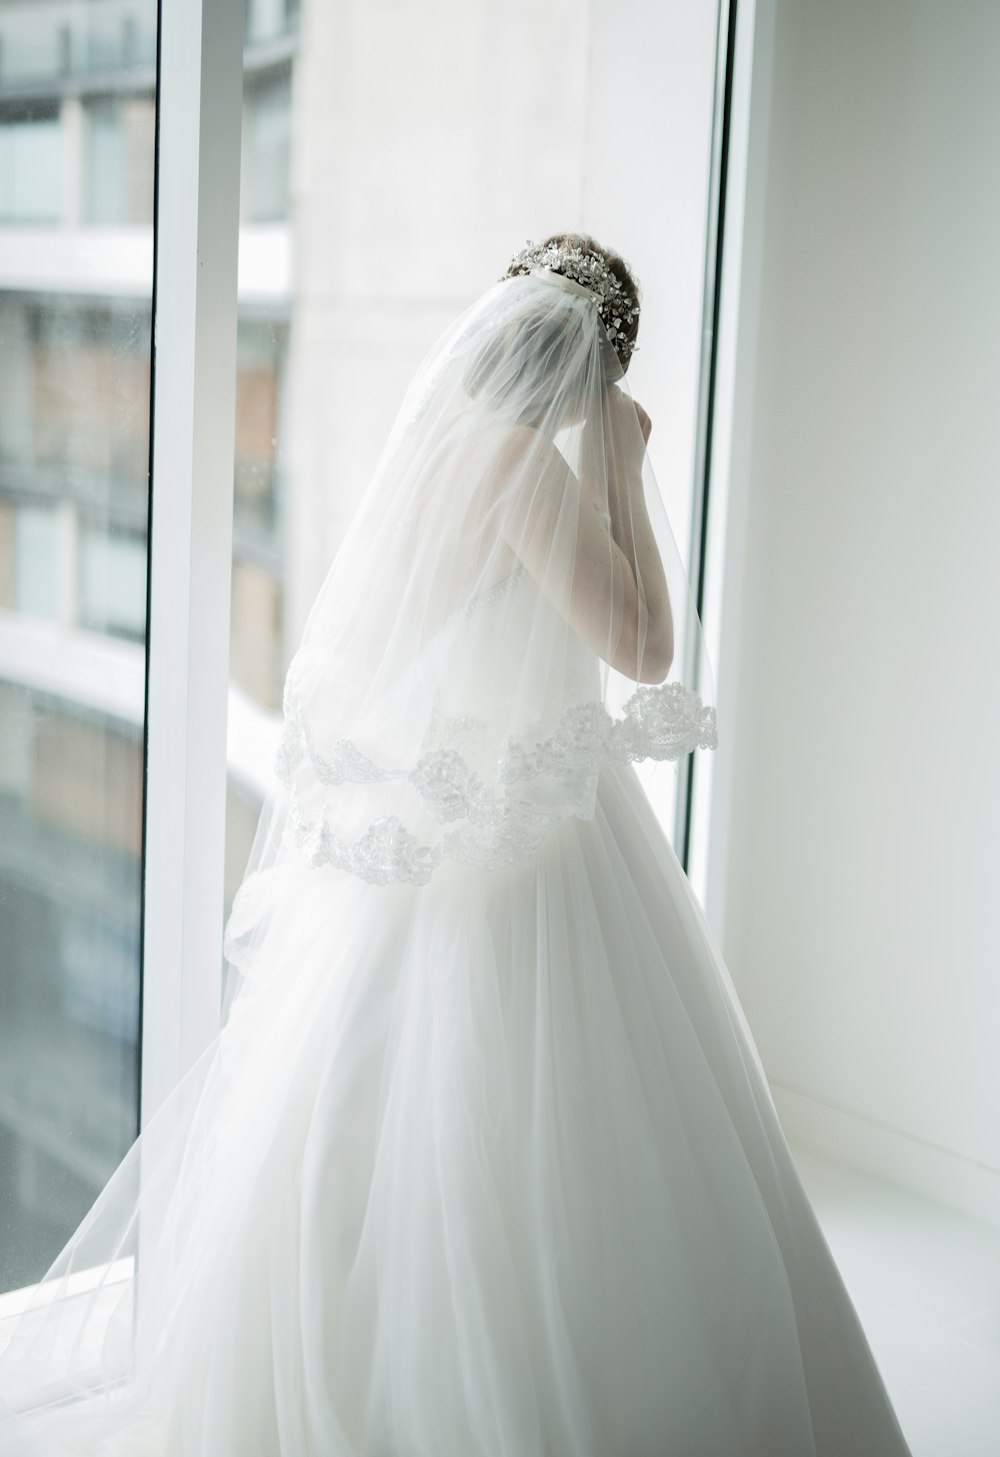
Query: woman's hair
[[586, 244], [520, 366]]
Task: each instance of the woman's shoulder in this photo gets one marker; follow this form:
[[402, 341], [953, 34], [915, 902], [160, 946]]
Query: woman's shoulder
[[525, 450]]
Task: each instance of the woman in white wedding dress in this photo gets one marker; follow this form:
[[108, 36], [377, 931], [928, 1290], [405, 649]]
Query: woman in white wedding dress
[[484, 1162]]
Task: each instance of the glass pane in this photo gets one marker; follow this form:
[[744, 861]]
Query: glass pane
[[76, 150], [267, 135], [31, 166], [389, 172], [118, 137]]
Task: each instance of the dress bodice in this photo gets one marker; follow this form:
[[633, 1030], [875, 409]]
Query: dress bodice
[[508, 656]]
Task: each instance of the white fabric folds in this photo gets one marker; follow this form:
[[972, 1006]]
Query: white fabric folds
[[488, 1165]]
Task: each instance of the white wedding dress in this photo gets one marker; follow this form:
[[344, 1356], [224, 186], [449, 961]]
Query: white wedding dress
[[484, 1164]]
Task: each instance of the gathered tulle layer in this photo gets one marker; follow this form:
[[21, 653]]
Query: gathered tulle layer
[[484, 1166]]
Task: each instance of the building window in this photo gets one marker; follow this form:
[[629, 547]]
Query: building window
[[118, 137], [74, 375], [36, 562], [266, 162], [31, 166], [112, 582], [70, 831], [74, 448]]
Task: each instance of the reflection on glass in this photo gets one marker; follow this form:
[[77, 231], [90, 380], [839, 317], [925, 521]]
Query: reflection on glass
[[76, 150]]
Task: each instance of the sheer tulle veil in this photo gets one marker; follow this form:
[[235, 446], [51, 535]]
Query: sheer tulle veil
[[493, 630]]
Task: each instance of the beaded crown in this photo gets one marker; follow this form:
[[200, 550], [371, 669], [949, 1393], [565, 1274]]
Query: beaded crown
[[614, 304]]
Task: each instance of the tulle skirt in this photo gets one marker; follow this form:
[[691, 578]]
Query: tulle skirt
[[487, 1166]]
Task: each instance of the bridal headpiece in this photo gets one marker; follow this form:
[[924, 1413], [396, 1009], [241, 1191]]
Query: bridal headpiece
[[614, 304]]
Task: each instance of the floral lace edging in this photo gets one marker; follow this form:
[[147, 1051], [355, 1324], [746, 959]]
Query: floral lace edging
[[495, 825]]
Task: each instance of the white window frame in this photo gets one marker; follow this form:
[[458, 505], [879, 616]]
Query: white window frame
[[732, 441], [199, 114]]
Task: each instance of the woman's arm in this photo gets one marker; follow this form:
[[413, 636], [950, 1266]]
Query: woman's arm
[[573, 552], [624, 451]]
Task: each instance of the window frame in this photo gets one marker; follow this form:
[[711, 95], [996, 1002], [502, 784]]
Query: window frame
[[726, 479], [199, 85]]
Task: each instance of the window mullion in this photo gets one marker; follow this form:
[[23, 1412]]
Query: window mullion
[[190, 546]]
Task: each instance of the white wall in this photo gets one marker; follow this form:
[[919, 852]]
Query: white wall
[[858, 902]]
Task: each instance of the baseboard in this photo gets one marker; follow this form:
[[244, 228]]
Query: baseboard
[[864, 1143]]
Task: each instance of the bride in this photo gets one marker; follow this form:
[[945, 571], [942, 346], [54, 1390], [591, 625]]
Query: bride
[[484, 1160]]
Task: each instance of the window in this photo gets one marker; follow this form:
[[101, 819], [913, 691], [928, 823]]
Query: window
[[74, 445], [387, 172]]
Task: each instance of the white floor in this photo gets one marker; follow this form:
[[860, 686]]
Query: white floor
[[926, 1283]]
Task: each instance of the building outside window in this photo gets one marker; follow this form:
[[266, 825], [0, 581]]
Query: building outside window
[[77, 134]]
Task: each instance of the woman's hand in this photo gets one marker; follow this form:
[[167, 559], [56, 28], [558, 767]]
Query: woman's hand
[[622, 406]]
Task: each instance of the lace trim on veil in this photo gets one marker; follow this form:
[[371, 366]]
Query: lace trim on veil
[[542, 779]]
